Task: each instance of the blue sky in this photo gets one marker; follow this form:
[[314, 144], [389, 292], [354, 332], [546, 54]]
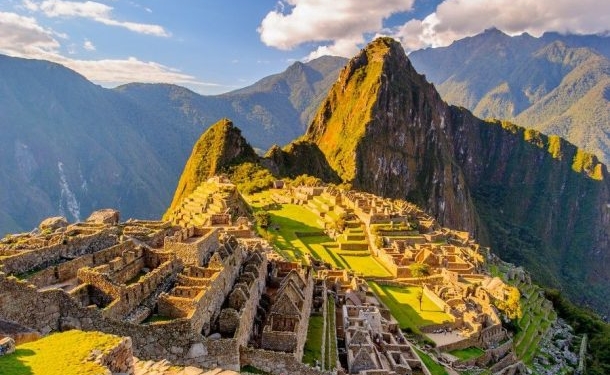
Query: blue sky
[[214, 46]]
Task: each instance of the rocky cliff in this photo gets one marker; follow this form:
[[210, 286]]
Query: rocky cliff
[[383, 129], [539, 201], [221, 146]]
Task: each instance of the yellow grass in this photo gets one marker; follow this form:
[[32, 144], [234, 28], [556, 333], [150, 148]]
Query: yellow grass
[[59, 354]]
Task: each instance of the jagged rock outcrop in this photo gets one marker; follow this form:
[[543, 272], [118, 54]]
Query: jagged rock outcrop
[[219, 147], [539, 201]]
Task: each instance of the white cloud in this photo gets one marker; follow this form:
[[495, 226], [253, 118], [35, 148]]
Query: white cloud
[[88, 45], [98, 12], [23, 37], [129, 70], [456, 19], [339, 24]]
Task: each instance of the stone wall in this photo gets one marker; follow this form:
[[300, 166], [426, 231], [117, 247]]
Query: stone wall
[[277, 363], [304, 321], [205, 310], [127, 297], [436, 300], [248, 312], [194, 247], [43, 257], [118, 359], [21, 303], [68, 270]]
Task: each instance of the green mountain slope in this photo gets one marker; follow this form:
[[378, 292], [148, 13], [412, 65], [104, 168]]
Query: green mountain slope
[[555, 83]]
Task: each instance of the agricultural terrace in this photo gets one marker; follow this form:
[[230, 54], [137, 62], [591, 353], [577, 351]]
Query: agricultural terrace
[[403, 302], [297, 232]]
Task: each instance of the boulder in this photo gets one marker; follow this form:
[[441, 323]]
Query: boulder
[[104, 216], [7, 346], [53, 223]]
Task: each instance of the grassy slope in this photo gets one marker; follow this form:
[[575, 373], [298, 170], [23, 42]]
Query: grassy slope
[[404, 306], [292, 239], [58, 354]]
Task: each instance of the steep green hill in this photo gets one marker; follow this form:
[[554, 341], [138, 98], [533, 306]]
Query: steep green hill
[[218, 148], [557, 84]]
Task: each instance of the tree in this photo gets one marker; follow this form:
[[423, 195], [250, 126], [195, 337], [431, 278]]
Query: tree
[[420, 296], [262, 218], [419, 270], [511, 306]]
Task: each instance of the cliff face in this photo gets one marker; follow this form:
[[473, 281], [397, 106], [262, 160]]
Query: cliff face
[[383, 129], [219, 147], [542, 202], [538, 201]]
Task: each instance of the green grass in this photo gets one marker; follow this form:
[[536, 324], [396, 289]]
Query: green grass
[[435, 368], [58, 354], [366, 265], [468, 353], [313, 344], [404, 306], [292, 242], [331, 335], [291, 218]]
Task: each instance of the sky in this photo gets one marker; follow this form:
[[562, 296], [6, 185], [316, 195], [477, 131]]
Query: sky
[[215, 46]]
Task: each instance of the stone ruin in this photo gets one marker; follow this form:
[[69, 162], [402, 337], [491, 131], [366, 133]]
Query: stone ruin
[[203, 290]]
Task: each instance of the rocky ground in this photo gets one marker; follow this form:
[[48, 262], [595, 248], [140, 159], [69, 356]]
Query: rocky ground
[[165, 368], [556, 355]]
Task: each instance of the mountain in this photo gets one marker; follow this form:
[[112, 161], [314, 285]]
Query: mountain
[[364, 128], [557, 84], [539, 201], [69, 147], [218, 148], [274, 110]]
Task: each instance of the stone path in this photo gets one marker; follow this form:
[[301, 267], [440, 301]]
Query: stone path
[[165, 368]]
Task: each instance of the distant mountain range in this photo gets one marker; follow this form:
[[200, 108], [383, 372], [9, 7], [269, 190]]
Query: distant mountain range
[[69, 147], [556, 84]]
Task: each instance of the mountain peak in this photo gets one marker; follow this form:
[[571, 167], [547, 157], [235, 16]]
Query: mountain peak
[[378, 120], [219, 147], [494, 31]]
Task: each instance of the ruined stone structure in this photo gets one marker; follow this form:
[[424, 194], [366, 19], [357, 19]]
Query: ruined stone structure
[[214, 202], [400, 235], [209, 293], [285, 328], [165, 286]]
